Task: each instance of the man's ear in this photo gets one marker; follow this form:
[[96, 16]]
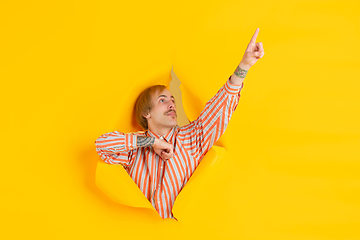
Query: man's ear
[[147, 115]]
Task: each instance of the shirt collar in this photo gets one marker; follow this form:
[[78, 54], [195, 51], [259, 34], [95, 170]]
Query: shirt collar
[[168, 137]]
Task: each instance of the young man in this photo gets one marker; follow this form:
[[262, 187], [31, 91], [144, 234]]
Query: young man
[[162, 159]]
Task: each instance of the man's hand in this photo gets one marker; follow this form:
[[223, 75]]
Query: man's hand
[[253, 52], [163, 149]]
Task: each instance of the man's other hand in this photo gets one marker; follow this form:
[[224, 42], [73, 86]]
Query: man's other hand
[[163, 149]]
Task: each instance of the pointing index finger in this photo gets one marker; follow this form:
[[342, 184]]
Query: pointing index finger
[[253, 39]]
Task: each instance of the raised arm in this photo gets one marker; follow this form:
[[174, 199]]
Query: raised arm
[[200, 135]]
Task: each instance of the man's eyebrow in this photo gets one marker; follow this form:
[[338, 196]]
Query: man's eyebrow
[[165, 96]]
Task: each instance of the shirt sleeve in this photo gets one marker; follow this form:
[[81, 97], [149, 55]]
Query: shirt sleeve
[[116, 147], [200, 135]]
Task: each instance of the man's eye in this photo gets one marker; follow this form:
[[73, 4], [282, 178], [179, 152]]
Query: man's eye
[[161, 100]]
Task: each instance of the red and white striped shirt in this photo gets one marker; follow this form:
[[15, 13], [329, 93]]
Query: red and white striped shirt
[[161, 181]]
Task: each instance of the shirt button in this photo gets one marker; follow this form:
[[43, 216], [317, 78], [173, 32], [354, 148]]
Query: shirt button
[[161, 167]]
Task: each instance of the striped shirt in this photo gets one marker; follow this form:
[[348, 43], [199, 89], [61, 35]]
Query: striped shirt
[[161, 181]]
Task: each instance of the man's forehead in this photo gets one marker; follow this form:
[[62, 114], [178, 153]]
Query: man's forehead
[[164, 93]]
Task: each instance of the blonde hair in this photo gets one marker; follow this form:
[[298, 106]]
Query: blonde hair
[[144, 104]]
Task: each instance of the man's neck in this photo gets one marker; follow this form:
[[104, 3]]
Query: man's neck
[[160, 131]]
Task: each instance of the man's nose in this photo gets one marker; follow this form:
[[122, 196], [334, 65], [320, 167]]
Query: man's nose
[[172, 105]]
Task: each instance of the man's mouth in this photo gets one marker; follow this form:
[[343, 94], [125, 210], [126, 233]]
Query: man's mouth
[[171, 113]]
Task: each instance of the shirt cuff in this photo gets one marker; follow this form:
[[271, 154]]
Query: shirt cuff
[[232, 89], [130, 142]]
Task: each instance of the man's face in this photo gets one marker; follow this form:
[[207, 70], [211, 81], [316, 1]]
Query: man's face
[[163, 113]]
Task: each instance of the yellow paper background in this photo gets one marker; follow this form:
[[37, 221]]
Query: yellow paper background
[[71, 71]]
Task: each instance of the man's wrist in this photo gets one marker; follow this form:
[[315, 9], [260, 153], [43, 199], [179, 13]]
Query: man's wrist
[[154, 141], [241, 71], [145, 141], [239, 74], [244, 66]]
